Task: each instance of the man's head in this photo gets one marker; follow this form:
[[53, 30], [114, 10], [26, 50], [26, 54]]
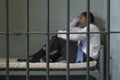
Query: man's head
[[83, 18]]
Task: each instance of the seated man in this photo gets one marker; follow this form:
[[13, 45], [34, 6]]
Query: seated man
[[58, 42]]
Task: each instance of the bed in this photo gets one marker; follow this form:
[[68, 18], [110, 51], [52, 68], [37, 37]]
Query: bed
[[59, 68]]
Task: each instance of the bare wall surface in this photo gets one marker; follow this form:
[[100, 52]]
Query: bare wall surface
[[115, 40]]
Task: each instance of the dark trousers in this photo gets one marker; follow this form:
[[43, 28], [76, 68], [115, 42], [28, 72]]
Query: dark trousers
[[59, 44]]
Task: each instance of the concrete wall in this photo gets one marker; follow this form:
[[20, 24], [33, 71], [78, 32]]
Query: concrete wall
[[38, 21], [115, 40]]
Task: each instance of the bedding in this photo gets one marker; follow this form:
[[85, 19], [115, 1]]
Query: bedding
[[14, 65]]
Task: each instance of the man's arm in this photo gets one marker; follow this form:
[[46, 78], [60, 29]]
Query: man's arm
[[73, 37], [76, 37], [74, 22], [72, 26]]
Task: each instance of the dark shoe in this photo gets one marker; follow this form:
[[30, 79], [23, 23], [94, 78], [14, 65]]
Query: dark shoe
[[33, 60], [21, 59]]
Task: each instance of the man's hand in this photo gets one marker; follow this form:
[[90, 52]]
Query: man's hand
[[74, 21]]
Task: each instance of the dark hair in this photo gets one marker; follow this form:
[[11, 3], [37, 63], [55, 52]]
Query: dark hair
[[92, 18]]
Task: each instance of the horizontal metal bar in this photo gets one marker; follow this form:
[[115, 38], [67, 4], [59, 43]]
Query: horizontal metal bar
[[21, 33]]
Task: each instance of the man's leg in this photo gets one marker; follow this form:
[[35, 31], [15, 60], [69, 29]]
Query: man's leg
[[72, 51], [54, 44], [54, 57]]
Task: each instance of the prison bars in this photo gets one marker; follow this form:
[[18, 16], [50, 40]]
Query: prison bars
[[108, 42], [47, 40], [7, 40], [47, 70], [24, 33], [67, 42], [27, 41], [88, 38]]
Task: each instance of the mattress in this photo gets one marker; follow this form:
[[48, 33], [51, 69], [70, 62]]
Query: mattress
[[14, 65]]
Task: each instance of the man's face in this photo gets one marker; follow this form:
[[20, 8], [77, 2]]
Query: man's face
[[82, 20]]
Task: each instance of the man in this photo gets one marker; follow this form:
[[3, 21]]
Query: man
[[94, 38], [58, 42]]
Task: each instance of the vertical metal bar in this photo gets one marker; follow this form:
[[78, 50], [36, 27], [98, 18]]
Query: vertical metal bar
[[27, 55], [7, 40], [88, 38], [47, 40], [67, 42], [108, 41]]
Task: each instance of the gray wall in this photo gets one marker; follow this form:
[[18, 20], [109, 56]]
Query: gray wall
[[38, 21], [115, 40]]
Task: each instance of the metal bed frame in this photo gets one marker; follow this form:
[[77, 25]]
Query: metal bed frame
[[47, 33]]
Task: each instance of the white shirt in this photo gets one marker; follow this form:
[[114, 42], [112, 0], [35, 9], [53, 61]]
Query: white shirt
[[94, 39]]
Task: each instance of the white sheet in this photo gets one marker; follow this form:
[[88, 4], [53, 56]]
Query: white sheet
[[13, 64]]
